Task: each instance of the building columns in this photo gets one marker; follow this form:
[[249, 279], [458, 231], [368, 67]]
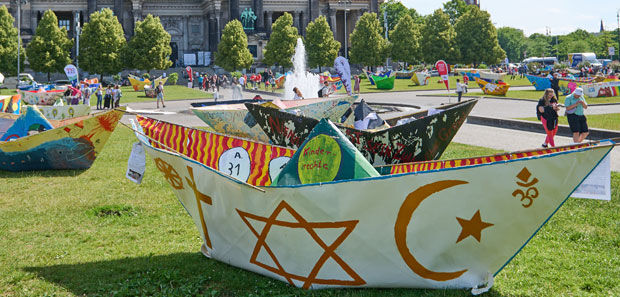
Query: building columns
[[258, 11], [212, 33], [186, 33], [296, 20], [304, 23], [332, 21], [268, 21], [33, 20]]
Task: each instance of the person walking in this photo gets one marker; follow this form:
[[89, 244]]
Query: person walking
[[99, 94], [575, 104], [159, 90], [460, 88], [547, 112], [356, 86], [117, 96], [555, 84], [108, 97]]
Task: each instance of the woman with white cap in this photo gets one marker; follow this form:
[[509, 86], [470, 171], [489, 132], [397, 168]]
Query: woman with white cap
[[575, 104]]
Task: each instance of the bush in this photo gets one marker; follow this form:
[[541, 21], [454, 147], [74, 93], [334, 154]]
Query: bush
[[173, 78], [483, 66], [116, 77], [362, 76], [236, 74], [146, 75], [615, 65]]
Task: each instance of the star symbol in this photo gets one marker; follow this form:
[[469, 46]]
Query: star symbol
[[472, 227], [309, 227]]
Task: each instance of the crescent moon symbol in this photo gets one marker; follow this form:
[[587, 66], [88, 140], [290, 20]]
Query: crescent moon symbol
[[405, 213]]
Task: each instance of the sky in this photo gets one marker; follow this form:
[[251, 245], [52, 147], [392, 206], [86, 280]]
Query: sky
[[560, 16]]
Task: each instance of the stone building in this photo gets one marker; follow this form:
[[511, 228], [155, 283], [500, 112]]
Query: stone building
[[196, 25]]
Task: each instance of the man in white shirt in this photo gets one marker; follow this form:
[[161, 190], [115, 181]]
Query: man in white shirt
[[460, 88]]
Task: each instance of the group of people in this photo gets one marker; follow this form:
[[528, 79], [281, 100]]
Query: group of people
[[211, 83], [547, 112], [110, 98]]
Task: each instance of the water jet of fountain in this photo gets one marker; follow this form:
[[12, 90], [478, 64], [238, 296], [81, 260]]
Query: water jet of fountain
[[308, 83]]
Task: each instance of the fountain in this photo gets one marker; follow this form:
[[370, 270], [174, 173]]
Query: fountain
[[308, 83]]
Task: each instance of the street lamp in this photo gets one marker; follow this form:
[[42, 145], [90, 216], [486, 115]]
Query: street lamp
[[345, 3], [618, 16]]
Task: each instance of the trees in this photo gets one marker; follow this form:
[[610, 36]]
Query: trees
[[281, 46], [395, 11], [476, 38], [321, 46], [438, 39], [368, 47], [102, 42], [512, 41], [232, 51], [149, 48], [538, 45], [405, 41], [8, 44], [50, 48], [455, 9]]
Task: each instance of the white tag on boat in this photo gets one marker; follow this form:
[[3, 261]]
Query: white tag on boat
[[598, 184], [136, 164]]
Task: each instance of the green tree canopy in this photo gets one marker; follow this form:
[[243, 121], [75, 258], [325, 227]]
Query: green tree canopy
[[281, 46], [439, 39], [455, 9], [368, 46], [49, 50], [538, 45], [149, 48], [513, 42], [102, 43], [232, 51], [476, 38], [8, 44], [321, 46], [395, 11], [405, 40]]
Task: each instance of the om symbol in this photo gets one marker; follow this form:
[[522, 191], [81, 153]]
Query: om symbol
[[531, 192], [170, 174]]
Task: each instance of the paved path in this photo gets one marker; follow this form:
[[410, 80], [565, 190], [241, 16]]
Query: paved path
[[492, 137]]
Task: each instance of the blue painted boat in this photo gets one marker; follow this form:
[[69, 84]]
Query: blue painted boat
[[539, 82], [70, 146]]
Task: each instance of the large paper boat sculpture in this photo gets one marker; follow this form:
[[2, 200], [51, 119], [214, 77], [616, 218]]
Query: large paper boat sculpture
[[493, 88], [539, 82], [602, 89], [420, 78], [405, 74], [72, 144], [384, 82], [331, 220], [138, 83], [234, 119], [41, 97], [11, 104], [64, 112], [424, 136]]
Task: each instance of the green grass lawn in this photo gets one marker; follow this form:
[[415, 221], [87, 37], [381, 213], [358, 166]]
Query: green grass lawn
[[610, 121], [172, 92], [94, 233], [536, 95], [433, 84]]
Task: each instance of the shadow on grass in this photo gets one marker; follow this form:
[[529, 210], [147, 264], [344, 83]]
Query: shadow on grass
[[41, 173], [191, 274]]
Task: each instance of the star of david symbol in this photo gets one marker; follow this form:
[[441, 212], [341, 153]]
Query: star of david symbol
[[309, 227]]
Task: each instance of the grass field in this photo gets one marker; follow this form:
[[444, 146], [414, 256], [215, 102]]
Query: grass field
[[536, 95], [407, 85], [610, 121], [94, 233], [172, 92]]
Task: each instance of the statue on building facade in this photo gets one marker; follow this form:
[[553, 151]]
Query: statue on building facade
[[248, 18]]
